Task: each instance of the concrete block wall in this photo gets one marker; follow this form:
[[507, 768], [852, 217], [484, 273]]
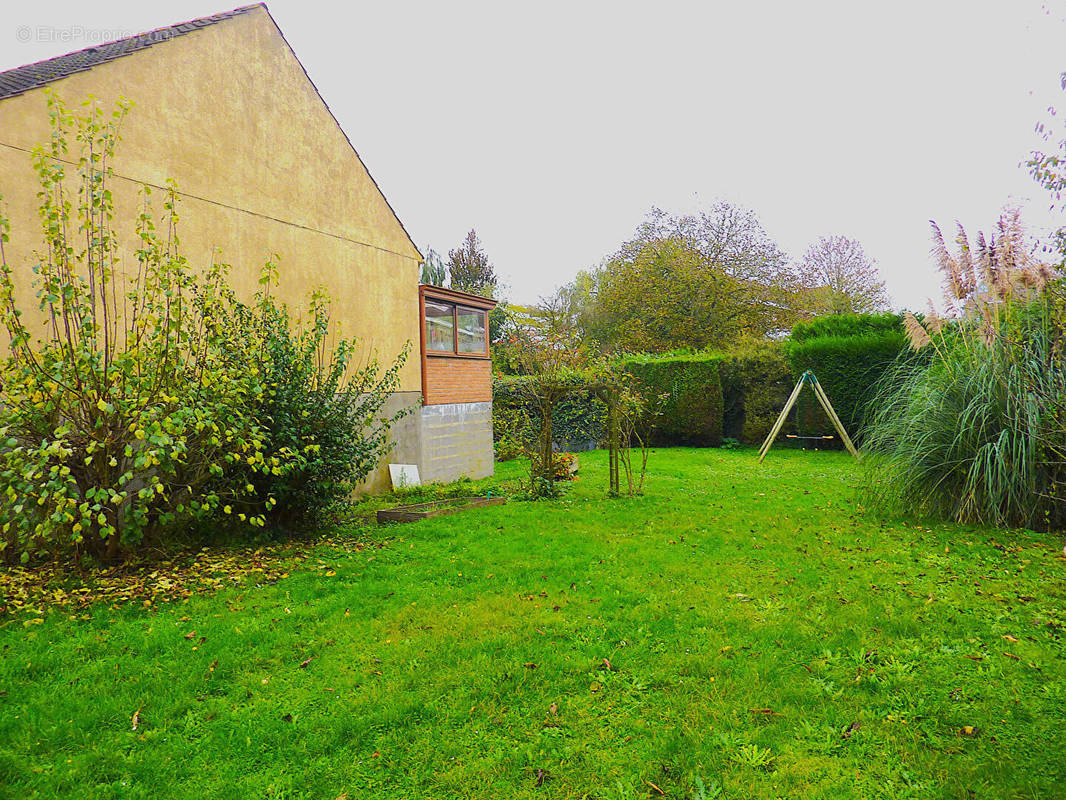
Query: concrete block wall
[[456, 441], [406, 435]]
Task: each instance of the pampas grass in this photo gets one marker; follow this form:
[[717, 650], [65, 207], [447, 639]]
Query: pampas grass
[[977, 432]]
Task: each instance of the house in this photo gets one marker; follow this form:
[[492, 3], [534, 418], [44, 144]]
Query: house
[[223, 107]]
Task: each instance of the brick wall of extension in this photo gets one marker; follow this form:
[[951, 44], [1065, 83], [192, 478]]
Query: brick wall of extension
[[457, 380]]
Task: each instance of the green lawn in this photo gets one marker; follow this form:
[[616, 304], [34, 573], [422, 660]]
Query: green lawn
[[743, 631]]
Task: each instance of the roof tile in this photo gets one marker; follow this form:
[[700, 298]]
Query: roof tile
[[33, 76]]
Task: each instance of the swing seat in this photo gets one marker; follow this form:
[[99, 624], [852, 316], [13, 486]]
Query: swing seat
[[818, 438]]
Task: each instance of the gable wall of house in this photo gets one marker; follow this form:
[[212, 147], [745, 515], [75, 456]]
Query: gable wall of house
[[261, 166]]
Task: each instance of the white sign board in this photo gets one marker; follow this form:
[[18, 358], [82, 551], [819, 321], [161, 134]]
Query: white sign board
[[404, 475]]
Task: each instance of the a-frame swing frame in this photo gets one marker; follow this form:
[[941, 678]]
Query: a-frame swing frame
[[807, 377]]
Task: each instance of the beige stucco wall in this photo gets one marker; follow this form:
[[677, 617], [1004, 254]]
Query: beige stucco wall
[[261, 165]]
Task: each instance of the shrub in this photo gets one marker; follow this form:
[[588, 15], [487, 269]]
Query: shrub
[[319, 404], [977, 434], [691, 412], [126, 416], [847, 325]]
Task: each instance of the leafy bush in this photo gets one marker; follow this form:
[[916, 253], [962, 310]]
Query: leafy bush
[[320, 405], [848, 365], [123, 420], [691, 412]]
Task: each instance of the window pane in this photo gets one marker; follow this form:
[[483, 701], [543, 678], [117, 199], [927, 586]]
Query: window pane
[[439, 324], [471, 331]]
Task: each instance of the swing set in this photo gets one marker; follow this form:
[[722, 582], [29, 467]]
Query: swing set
[[807, 378]]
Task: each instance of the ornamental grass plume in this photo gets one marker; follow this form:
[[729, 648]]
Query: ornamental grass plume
[[974, 430]]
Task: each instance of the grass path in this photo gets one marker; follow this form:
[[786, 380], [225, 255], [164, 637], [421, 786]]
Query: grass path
[[742, 631]]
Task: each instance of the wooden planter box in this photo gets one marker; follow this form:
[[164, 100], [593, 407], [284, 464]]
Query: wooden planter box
[[436, 508]]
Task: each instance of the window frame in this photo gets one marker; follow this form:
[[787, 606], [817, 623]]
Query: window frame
[[455, 304], [484, 327], [425, 327]]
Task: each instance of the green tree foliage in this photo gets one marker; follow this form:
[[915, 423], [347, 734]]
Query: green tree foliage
[[140, 398], [697, 281], [434, 272], [470, 269], [838, 278]]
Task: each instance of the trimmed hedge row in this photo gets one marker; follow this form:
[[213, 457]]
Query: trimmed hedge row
[[846, 325], [756, 384], [579, 421], [692, 409]]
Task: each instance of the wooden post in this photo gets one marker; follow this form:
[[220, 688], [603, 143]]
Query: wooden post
[[614, 435], [823, 398]]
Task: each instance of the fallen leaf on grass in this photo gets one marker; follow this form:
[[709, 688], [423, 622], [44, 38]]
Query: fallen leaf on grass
[[194, 572], [190, 634], [136, 717], [553, 708], [542, 775], [655, 788], [968, 730], [287, 718], [851, 729], [304, 663], [1010, 638], [1011, 655], [529, 665]]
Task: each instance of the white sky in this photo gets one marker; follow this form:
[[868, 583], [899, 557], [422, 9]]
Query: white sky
[[552, 127]]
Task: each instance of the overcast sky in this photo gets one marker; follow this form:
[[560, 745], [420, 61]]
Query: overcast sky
[[552, 128]]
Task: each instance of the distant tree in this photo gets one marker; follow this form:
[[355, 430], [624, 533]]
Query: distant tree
[[837, 277], [694, 281], [470, 269], [433, 270]]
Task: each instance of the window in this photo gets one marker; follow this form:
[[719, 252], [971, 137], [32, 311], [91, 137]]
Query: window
[[471, 329], [455, 329], [440, 326]]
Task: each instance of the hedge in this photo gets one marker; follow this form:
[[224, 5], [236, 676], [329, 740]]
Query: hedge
[[578, 421], [756, 384], [847, 325], [692, 410], [734, 395]]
